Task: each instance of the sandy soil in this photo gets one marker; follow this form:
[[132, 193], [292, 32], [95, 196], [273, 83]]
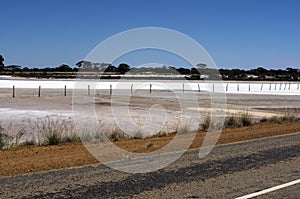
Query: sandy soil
[[40, 158]]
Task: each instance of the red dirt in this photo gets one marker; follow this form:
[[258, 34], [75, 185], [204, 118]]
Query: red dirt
[[29, 159]]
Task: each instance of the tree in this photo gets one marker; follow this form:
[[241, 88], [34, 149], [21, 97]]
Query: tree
[[13, 68], [64, 68], [111, 69], [84, 64], [123, 68], [1, 62], [184, 71]]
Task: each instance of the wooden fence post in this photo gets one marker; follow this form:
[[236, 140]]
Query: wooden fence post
[[198, 88], [131, 88], [39, 91], [65, 90], [13, 94], [150, 88], [89, 90], [183, 87], [110, 89]]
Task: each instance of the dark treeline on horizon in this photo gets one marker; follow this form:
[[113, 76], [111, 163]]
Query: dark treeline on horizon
[[196, 73]]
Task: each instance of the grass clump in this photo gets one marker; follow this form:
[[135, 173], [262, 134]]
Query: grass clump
[[230, 122], [138, 134], [162, 134], [209, 124], [53, 131], [54, 138], [245, 120], [183, 128], [238, 121], [205, 124], [3, 138], [7, 137], [283, 119], [149, 144], [116, 134]]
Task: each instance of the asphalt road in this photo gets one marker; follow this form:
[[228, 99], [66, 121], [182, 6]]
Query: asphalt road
[[230, 171]]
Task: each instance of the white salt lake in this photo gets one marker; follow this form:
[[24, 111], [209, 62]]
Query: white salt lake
[[230, 87]]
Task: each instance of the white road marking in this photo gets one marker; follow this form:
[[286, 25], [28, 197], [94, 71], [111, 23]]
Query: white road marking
[[269, 190]]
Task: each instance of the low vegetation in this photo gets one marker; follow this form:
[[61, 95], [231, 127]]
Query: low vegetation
[[51, 131]]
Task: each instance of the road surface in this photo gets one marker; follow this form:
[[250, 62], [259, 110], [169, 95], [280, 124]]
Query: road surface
[[230, 171]]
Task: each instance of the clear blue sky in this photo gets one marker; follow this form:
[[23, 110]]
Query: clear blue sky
[[240, 33]]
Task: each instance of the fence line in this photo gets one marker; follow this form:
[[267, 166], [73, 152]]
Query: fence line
[[208, 87]]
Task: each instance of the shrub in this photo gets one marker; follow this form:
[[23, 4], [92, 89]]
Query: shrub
[[263, 120], [282, 119], [232, 122], [205, 124], [246, 120]]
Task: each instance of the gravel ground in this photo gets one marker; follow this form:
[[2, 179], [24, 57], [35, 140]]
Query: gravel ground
[[229, 171]]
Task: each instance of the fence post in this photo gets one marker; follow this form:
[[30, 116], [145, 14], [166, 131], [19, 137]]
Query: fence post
[[65, 90], [275, 86], [13, 94], [289, 86], [110, 89], [249, 88], [226, 87], [39, 91], [270, 87], [213, 88], [183, 87], [238, 87], [262, 85], [131, 88], [298, 87], [150, 88], [199, 88]]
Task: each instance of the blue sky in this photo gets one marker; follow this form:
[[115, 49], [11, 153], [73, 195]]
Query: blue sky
[[236, 33]]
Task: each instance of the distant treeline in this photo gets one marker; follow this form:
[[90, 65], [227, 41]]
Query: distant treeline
[[110, 71]]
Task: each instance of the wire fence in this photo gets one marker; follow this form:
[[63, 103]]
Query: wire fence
[[109, 89]]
